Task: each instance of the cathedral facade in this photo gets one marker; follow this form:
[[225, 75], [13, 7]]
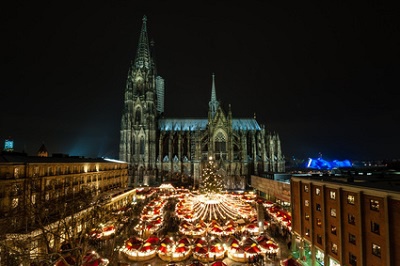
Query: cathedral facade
[[156, 147]]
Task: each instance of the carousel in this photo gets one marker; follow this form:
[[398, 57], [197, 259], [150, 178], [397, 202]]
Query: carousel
[[221, 207]]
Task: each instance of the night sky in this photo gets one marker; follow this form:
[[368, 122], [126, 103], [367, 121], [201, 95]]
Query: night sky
[[324, 76]]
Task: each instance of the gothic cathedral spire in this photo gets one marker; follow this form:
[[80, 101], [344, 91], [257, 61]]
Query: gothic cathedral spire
[[143, 104], [213, 103], [142, 59], [153, 145]]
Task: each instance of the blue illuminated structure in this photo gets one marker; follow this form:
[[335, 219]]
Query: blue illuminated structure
[[326, 165]]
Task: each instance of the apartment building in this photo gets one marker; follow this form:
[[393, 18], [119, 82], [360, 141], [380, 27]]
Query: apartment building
[[346, 220], [36, 193]]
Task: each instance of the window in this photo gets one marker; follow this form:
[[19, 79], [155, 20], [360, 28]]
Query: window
[[318, 207], [374, 205], [352, 239], [33, 198], [333, 212], [14, 203], [305, 188], [141, 146], [319, 222], [375, 228], [333, 229], [352, 259], [351, 219], [220, 145], [16, 173], [138, 116], [317, 191], [350, 199], [376, 250], [319, 239], [307, 232], [332, 194], [36, 171], [334, 248], [306, 203], [306, 216]]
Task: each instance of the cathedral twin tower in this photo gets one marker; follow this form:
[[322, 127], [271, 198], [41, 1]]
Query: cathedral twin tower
[[156, 147]]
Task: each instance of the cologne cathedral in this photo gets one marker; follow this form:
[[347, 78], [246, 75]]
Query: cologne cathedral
[[156, 146]]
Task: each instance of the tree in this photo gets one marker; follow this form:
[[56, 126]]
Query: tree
[[212, 182], [39, 224]]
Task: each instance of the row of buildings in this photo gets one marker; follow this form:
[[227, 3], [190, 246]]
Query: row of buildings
[[337, 219]]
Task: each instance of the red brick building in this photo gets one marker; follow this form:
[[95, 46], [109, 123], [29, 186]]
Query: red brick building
[[338, 220]]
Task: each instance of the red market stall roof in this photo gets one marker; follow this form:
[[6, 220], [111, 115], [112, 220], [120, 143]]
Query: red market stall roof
[[219, 263], [185, 240], [253, 250], [200, 250], [153, 239]]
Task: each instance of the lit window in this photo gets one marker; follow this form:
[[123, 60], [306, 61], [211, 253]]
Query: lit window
[[33, 199], [352, 239], [306, 203], [14, 203], [333, 212], [374, 205], [317, 191], [319, 222], [333, 229], [375, 228], [16, 172], [307, 232], [305, 188], [376, 250], [332, 194], [350, 199], [306, 216], [334, 248]]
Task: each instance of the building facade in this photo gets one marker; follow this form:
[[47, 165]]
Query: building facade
[[154, 145], [45, 201], [342, 221]]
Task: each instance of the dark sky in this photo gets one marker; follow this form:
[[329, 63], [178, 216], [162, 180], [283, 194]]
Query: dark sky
[[324, 76]]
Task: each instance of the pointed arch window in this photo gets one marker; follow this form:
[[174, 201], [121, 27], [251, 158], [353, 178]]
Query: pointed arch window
[[133, 145], [138, 116], [220, 146], [142, 145]]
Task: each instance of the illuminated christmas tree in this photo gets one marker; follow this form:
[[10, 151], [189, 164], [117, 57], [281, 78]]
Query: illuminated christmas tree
[[212, 182]]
